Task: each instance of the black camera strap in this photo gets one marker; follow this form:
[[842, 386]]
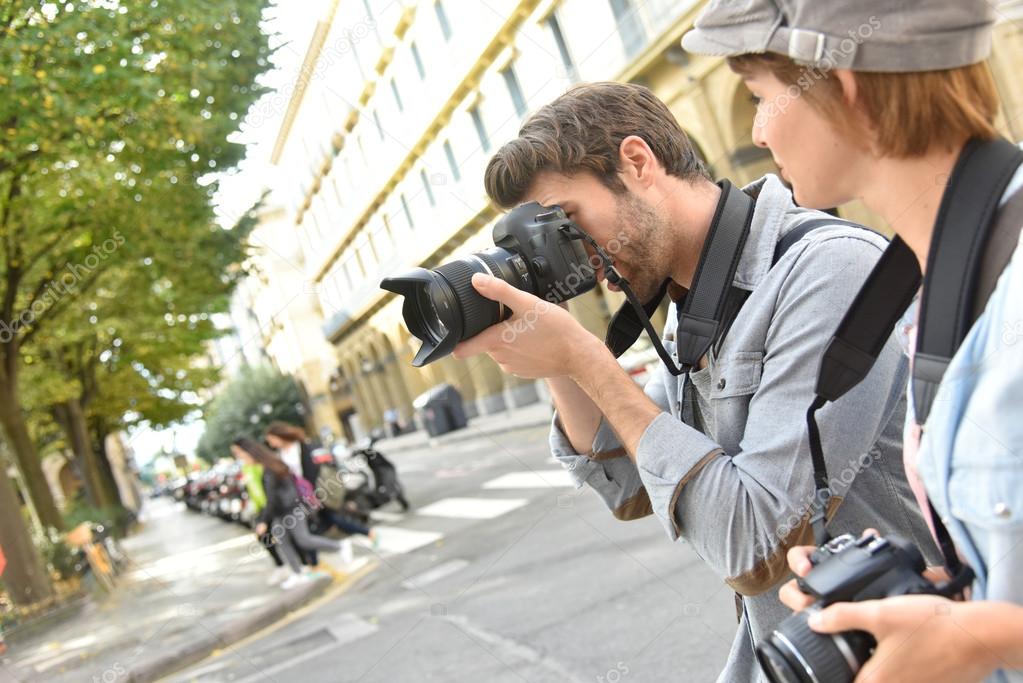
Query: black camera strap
[[948, 308], [702, 317]]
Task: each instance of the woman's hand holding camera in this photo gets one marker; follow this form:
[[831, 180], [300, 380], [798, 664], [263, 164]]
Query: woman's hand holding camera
[[920, 638]]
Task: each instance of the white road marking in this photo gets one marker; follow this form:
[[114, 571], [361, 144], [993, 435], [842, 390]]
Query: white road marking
[[472, 508], [436, 574], [395, 540], [384, 516], [540, 479]]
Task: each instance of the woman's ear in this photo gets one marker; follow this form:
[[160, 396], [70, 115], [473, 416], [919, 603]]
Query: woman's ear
[[851, 99], [636, 161], [847, 79]]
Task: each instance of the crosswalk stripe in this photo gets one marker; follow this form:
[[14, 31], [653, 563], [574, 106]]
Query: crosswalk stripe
[[472, 508], [540, 479], [396, 540]]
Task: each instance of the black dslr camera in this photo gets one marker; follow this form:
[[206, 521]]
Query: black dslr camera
[[847, 569], [537, 250]]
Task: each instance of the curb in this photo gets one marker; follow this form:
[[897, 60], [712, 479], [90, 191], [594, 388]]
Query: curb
[[166, 663], [15, 633]]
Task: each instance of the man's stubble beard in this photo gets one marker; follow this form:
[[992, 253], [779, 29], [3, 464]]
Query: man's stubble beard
[[646, 250]]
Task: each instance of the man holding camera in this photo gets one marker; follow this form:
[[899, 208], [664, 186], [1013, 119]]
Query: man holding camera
[[719, 454]]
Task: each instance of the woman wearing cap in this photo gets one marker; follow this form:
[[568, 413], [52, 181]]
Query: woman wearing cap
[[869, 101]]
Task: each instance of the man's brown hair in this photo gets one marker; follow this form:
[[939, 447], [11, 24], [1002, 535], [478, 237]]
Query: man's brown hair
[[582, 131], [911, 111]]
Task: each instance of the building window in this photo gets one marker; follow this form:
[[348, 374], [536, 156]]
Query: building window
[[559, 39], [442, 19], [418, 59], [426, 186], [450, 154], [630, 26], [397, 95], [376, 121], [514, 89], [481, 130], [408, 213]]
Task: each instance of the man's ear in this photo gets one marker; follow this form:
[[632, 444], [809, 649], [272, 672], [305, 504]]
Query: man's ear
[[637, 162]]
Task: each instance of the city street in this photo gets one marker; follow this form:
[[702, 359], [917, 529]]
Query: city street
[[502, 572]]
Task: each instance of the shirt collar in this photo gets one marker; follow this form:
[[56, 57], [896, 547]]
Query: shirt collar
[[773, 203]]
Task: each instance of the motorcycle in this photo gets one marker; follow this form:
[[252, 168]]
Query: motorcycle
[[368, 480]]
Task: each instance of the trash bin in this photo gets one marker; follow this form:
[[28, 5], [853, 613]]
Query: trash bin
[[440, 410]]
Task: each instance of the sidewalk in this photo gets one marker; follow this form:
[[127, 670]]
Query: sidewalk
[[197, 585], [533, 415]]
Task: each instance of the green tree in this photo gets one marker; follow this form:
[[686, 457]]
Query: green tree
[[246, 407], [112, 118]]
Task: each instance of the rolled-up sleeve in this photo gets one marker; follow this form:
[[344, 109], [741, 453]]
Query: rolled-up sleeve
[[740, 511], [607, 468]]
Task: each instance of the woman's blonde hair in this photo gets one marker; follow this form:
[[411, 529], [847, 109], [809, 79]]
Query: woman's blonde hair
[[911, 112]]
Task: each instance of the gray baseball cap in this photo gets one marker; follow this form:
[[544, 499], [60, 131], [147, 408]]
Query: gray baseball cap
[[864, 35]]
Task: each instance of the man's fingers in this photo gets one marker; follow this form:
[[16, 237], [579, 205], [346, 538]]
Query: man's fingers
[[499, 290], [481, 343], [845, 616]]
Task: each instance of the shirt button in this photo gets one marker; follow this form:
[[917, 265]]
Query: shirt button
[[721, 383], [1002, 511]]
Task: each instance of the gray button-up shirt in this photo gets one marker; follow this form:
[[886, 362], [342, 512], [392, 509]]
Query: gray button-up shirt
[[738, 485]]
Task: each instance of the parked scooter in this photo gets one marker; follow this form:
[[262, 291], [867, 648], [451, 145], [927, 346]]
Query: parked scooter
[[368, 480]]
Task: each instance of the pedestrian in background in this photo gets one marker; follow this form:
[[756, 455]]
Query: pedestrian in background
[[300, 455], [285, 517]]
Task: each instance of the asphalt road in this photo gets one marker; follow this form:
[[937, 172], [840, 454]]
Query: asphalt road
[[502, 572]]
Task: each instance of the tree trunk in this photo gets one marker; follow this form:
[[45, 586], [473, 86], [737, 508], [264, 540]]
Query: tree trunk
[[61, 415], [98, 432], [82, 444], [28, 461], [26, 578]]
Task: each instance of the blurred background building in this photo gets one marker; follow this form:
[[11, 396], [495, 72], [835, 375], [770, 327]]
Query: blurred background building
[[387, 130]]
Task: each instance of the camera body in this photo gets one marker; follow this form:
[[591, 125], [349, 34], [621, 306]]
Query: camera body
[[537, 249], [548, 243], [846, 569]]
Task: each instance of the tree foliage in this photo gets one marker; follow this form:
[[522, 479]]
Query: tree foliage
[[112, 119], [246, 407]]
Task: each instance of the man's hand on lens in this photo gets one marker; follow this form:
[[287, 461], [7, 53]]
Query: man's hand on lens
[[539, 340]]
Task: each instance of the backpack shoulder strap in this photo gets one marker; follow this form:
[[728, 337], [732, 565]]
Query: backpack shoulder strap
[[737, 297], [805, 228], [965, 222], [1002, 243]]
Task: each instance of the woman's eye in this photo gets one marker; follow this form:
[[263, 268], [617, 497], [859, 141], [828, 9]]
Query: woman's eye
[[755, 99]]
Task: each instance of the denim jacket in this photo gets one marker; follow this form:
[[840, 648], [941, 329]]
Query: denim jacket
[[971, 454], [726, 466]]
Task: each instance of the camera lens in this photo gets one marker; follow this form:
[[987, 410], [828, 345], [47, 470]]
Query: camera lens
[[428, 310], [442, 307], [795, 653]]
